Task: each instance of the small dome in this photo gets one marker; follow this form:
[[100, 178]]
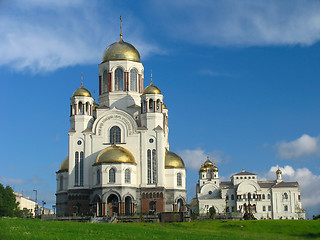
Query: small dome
[[164, 106], [173, 160], [214, 168], [82, 92], [278, 171], [208, 163], [202, 169], [115, 154], [95, 105], [64, 165], [151, 89], [121, 50]]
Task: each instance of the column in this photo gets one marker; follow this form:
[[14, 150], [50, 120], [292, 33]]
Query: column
[[100, 86], [110, 82]]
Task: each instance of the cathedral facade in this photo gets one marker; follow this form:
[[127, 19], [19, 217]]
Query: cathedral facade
[[119, 160], [245, 194]]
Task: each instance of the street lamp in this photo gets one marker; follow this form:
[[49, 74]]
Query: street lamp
[[36, 207]]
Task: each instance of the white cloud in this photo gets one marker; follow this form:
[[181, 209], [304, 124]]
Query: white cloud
[[46, 36], [12, 181], [309, 183], [248, 22], [193, 158], [301, 148]]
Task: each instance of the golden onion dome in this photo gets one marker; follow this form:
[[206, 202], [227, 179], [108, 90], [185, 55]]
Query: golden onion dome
[[151, 89], [173, 160], [214, 168], [82, 92], [203, 169], [278, 171], [164, 106], [121, 50], [115, 154], [95, 105], [208, 163], [64, 165]]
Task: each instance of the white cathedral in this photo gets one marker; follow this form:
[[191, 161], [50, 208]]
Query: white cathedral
[[119, 160], [275, 199]]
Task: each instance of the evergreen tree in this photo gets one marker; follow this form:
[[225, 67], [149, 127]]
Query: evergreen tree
[[8, 203]]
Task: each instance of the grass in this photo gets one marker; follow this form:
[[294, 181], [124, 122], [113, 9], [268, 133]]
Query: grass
[[15, 229]]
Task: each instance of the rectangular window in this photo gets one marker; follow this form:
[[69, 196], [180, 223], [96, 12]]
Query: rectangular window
[[269, 208], [285, 208], [149, 166], [264, 208], [76, 169]]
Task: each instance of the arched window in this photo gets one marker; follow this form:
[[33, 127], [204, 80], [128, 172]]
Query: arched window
[[269, 196], [118, 83], [115, 135], [80, 106], [285, 195], [244, 196], [151, 105], [263, 196], [249, 195], [179, 180], [112, 175], [149, 166], [81, 168], [154, 166], [227, 197], [98, 177], [61, 182], [232, 197], [152, 207], [127, 176], [105, 82], [76, 169], [133, 80]]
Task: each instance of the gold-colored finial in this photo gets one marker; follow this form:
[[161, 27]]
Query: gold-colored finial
[[151, 78], [208, 158], [81, 79], [120, 27]]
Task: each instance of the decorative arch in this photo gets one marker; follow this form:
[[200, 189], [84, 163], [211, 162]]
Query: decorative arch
[[113, 117]]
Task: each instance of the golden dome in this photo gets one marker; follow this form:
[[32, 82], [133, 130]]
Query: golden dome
[[208, 163], [173, 160], [115, 154], [151, 89], [64, 165], [83, 92], [95, 105], [278, 171], [164, 106], [214, 168], [121, 50], [203, 169]]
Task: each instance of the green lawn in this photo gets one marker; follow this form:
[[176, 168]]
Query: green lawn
[[15, 229]]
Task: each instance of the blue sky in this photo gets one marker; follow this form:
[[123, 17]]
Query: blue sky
[[240, 80]]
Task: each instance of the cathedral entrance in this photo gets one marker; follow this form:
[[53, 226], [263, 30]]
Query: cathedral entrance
[[180, 205], [128, 205], [113, 204]]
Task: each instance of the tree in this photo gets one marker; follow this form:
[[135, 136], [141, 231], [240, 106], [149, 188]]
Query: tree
[[8, 203], [212, 213]]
